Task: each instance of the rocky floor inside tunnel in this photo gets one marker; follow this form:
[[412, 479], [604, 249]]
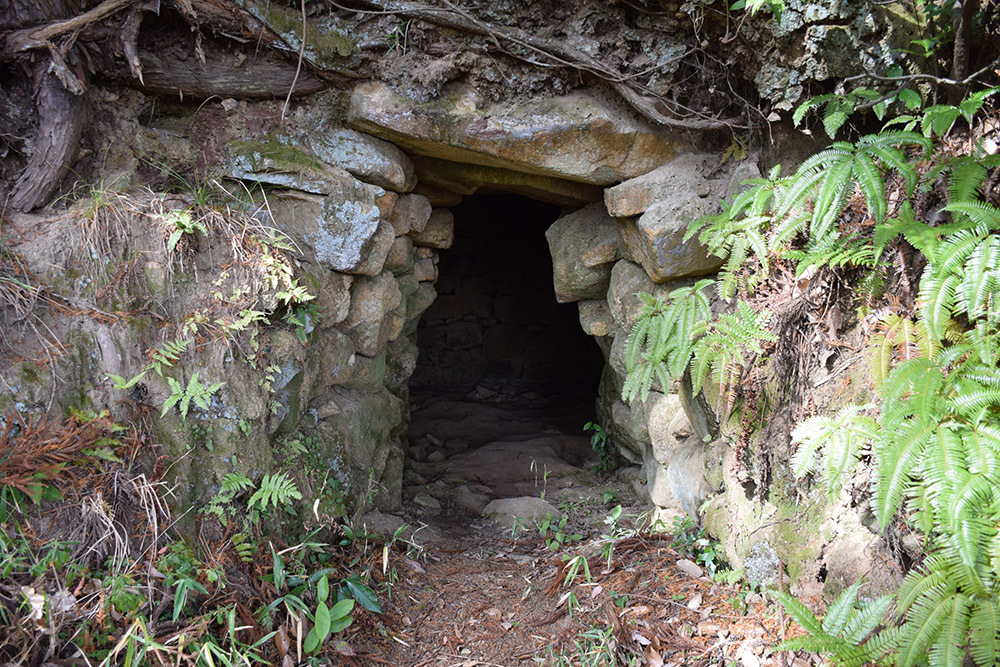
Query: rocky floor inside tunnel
[[517, 550]]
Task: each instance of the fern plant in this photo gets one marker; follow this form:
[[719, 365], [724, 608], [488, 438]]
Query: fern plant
[[898, 338], [842, 438], [660, 344], [182, 396], [669, 334], [846, 633], [179, 222], [721, 350], [275, 490], [741, 229]]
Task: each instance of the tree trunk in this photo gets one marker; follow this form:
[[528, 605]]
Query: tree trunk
[[61, 116]]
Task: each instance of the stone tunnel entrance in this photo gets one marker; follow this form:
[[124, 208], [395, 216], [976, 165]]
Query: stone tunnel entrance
[[506, 378], [495, 318]]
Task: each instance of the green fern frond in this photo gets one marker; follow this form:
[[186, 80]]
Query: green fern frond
[[843, 437], [722, 348], [275, 490], [984, 631], [985, 216], [235, 483], [937, 300], [661, 342], [897, 460], [965, 181], [898, 337]]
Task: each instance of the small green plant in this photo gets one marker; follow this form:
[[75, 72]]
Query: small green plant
[[574, 566], [182, 396], [166, 355], [179, 222], [842, 437], [691, 542], [846, 632], [181, 568], [601, 444], [554, 533], [327, 620]]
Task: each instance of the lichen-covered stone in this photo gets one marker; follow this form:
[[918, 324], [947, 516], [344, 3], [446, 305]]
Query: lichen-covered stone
[[342, 231], [333, 298], [583, 245], [372, 299], [369, 159], [277, 160], [376, 250]]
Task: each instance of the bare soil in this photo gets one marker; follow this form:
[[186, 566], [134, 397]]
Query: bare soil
[[475, 594]]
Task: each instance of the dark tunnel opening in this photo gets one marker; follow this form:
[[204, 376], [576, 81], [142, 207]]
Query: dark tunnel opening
[[495, 322]]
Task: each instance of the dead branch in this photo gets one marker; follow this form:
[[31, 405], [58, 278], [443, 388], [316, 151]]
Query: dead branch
[[40, 37], [556, 52]]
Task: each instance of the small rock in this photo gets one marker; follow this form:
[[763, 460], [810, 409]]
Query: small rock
[[426, 501], [437, 456], [689, 568], [439, 232]]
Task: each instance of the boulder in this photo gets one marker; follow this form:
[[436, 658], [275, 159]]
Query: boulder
[[361, 441], [583, 245], [667, 200], [626, 280], [372, 299], [410, 213], [656, 241], [341, 231], [276, 161], [577, 137], [529, 511], [439, 232], [377, 251], [675, 462], [370, 159], [416, 303], [425, 270], [333, 298], [400, 256], [687, 175], [595, 318]]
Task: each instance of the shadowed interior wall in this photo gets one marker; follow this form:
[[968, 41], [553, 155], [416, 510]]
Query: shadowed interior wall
[[496, 317]]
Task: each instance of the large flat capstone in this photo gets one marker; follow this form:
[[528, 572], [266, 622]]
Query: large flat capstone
[[575, 137]]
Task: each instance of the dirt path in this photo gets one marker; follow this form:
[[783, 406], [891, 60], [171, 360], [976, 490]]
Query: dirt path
[[471, 591]]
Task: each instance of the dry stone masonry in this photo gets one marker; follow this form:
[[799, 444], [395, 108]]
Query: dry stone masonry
[[371, 198]]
